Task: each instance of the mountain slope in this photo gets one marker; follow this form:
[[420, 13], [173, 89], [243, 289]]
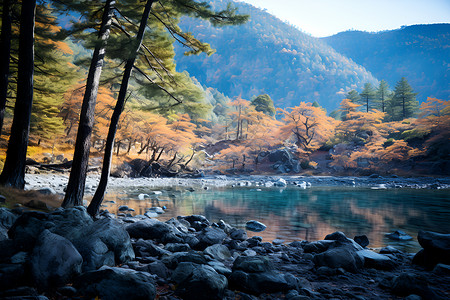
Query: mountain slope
[[421, 53], [269, 56]]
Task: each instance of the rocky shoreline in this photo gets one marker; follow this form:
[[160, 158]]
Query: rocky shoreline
[[58, 182], [65, 254]]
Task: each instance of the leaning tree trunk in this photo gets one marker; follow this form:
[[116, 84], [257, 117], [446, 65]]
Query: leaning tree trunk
[[77, 179], [14, 169], [5, 48], [106, 168]]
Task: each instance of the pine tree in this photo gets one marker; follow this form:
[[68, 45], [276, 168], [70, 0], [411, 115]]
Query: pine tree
[[353, 96], [5, 48], [75, 187], [264, 103], [13, 173], [367, 96], [383, 94], [403, 104]]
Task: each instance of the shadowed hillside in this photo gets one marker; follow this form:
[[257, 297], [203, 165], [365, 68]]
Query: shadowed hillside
[[269, 56], [420, 52]]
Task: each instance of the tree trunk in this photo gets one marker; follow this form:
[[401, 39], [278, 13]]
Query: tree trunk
[[172, 160], [77, 179], [100, 192], [159, 155], [5, 49], [118, 147], [14, 169], [130, 143]]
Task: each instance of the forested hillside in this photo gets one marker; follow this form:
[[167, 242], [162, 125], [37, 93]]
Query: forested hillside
[[269, 56], [420, 52]]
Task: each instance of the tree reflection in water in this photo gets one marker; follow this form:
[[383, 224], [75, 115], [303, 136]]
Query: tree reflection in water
[[298, 214]]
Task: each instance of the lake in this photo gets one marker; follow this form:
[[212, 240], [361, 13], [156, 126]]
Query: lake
[[294, 213]]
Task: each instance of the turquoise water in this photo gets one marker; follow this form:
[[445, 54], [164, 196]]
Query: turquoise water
[[308, 214]]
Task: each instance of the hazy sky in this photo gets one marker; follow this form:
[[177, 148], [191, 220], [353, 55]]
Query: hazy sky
[[326, 17]]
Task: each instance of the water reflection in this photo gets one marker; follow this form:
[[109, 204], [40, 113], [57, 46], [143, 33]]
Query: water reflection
[[297, 214]]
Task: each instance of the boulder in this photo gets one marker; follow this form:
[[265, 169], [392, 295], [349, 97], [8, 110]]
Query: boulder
[[259, 283], [408, 284], [399, 235], [317, 246], [175, 259], [238, 234], [152, 229], [340, 257], [7, 218], [198, 282], [210, 236], [253, 264], [375, 260], [54, 260], [436, 249], [255, 226], [116, 283], [177, 247], [280, 183], [198, 222], [218, 252], [362, 240], [105, 242]]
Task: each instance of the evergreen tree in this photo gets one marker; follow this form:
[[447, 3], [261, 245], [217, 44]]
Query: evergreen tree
[[382, 95], [186, 7], [77, 179], [5, 48], [367, 96], [353, 96], [13, 173], [264, 103], [403, 104]]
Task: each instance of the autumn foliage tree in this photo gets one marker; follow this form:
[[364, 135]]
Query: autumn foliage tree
[[308, 125]]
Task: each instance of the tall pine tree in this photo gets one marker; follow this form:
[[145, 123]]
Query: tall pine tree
[[383, 94], [367, 96], [13, 173], [403, 104]]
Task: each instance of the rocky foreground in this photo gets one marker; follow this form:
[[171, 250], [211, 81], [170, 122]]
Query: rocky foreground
[[66, 254]]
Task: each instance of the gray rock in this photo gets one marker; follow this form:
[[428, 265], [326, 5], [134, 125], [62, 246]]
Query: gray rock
[[252, 264], [123, 208], [280, 183], [7, 218], [389, 250], [211, 236], [54, 260], [375, 260], [399, 235], [198, 282], [255, 226], [218, 252], [172, 247], [12, 275], [442, 269], [317, 246], [341, 257], [238, 234], [116, 283], [362, 240], [408, 284], [175, 259], [158, 268], [19, 258], [436, 249], [249, 252], [105, 242], [154, 229], [148, 248], [258, 283]]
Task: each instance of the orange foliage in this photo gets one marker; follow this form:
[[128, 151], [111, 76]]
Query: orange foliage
[[308, 125]]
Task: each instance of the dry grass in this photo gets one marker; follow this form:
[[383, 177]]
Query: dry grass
[[32, 199]]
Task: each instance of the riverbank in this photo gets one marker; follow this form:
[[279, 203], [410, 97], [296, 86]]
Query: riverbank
[[190, 257], [58, 182]]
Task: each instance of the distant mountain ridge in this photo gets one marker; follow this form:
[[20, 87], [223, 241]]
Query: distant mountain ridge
[[421, 53], [269, 56]]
